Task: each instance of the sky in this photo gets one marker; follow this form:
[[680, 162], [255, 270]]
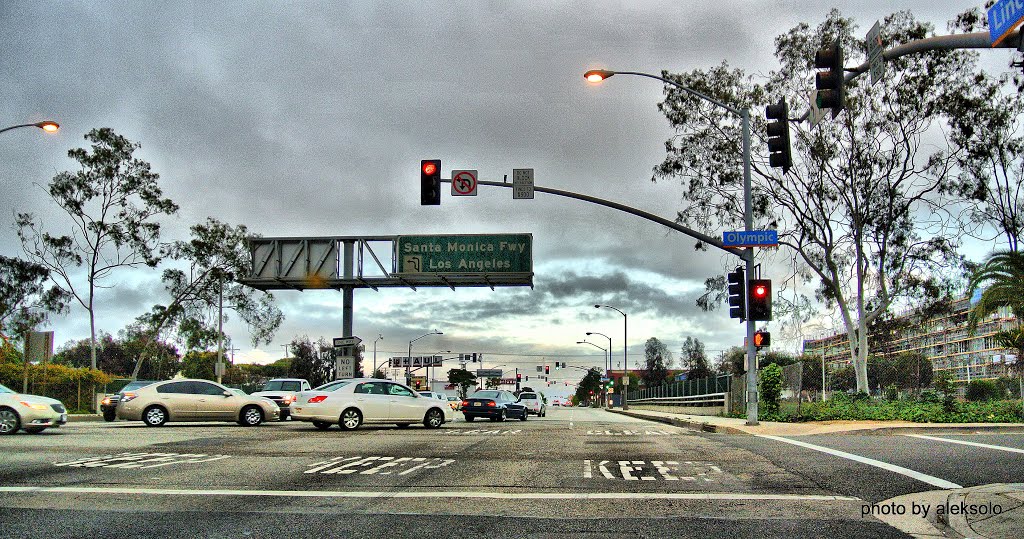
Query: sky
[[310, 119]]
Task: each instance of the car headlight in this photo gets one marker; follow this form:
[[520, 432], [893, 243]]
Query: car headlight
[[35, 405], [105, 401]]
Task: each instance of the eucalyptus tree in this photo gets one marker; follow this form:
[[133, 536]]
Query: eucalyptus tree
[[25, 299], [113, 203], [657, 359], [862, 212], [209, 264]]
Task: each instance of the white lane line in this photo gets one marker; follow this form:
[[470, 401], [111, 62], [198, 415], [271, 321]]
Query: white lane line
[[975, 444], [925, 478], [434, 494]]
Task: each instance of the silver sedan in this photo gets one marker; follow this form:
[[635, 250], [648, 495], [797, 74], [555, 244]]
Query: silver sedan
[[30, 412], [350, 403]]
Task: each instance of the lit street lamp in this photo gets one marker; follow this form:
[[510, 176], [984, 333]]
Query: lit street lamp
[[747, 254], [408, 373], [48, 126], [609, 366], [379, 338]]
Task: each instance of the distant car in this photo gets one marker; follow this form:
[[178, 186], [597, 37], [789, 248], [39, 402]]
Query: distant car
[[442, 397], [194, 400], [534, 403], [283, 391], [496, 405], [454, 402], [32, 413], [353, 402], [108, 406]]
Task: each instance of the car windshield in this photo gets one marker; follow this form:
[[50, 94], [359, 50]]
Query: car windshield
[[337, 384], [3, 389], [485, 395], [283, 385]]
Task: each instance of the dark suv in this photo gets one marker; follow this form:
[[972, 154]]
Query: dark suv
[[108, 406]]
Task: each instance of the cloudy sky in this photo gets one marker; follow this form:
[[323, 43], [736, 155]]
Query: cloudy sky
[[309, 119]]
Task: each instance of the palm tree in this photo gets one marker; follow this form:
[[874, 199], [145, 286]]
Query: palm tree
[[1003, 272]]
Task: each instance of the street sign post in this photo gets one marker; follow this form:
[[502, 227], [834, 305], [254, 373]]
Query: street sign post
[[522, 183], [466, 253], [876, 61], [1003, 17], [347, 341], [752, 238], [464, 182], [489, 373]]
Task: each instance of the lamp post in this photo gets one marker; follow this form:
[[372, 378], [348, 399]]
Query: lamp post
[[625, 350], [609, 366], [408, 373], [430, 387], [379, 338], [598, 75], [48, 126], [607, 351]]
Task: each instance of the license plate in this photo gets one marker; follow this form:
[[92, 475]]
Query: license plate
[[476, 404]]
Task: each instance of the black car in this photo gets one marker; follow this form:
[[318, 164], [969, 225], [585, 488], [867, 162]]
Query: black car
[[108, 406], [495, 405]]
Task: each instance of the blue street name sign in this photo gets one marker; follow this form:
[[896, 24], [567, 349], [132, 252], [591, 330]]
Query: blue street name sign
[[1003, 17], [754, 238]]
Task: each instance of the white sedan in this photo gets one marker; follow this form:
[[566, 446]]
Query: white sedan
[[350, 403], [30, 412]]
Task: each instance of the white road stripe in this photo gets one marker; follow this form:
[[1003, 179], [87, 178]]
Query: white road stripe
[[925, 478], [434, 494], [976, 444]]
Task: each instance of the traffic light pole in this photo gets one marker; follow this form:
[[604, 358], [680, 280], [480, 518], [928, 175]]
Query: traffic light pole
[[748, 257]]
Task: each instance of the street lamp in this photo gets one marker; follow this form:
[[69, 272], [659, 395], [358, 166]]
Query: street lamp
[[48, 126], [408, 380], [379, 338], [625, 349], [609, 366], [607, 351], [598, 75]]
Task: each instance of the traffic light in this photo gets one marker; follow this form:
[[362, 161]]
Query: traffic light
[[473, 357], [430, 182], [830, 83], [762, 339], [563, 364], [759, 304], [547, 369], [779, 153], [737, 297], [519, 377], [527, 378]]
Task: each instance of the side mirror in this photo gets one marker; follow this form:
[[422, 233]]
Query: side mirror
[[227, 393]]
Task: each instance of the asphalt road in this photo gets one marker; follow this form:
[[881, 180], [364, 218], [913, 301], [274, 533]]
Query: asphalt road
[[577, 472]]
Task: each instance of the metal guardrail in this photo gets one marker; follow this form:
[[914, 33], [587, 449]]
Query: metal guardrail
[[710, 399]]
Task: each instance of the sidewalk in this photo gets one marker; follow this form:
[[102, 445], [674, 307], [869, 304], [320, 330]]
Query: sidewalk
[[731, 425]]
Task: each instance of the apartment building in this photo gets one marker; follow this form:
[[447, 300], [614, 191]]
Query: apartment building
[[943, 339]]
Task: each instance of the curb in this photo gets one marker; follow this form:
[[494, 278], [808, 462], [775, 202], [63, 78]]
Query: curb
[[938, 428]]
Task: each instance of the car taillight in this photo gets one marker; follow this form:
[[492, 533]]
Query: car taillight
[[465, 404], [288, 399], [491, 403], [128, 396], [316, 399]]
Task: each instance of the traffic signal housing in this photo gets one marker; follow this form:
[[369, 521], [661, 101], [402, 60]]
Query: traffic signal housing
[[547, 369], [737, 295], [830, 83], [759, 301], [779, 153], [762, 339], [430, 182]]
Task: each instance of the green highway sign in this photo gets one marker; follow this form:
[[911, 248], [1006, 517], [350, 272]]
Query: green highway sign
[[465, 253]]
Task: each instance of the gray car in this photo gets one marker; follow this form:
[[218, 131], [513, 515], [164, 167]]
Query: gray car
[[194, 400]]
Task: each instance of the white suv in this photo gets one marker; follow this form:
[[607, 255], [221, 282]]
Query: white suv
[[534, 403]]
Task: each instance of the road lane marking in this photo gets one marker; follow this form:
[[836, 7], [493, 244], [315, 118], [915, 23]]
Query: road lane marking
[[373, 465], [435, 494], [140, 460], [638, 470], [629, 433], [976, 444], [925, 478]]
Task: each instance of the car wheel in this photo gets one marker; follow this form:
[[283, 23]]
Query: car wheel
[[34, 430], [350, 419], [434, 419], [251, 416], [322, 425], [403, 425], [109, 415], [154, 416], [503, 416], [525, 415], [9, 421], [470, 418]]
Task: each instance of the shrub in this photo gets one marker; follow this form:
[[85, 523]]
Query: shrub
[[771, 388], [983, 390], [892, 392], [930, 396]]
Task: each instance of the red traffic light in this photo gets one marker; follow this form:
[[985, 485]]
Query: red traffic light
[[760, 291], [429, 167]]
